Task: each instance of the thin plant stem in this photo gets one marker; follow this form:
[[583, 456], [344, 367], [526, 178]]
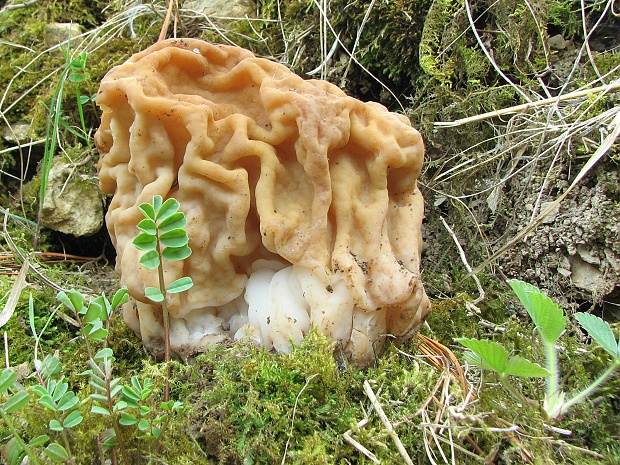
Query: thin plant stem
[[588, 391], [117, 429], [553, 397], [164, 307], [81, 113], [514, 391]]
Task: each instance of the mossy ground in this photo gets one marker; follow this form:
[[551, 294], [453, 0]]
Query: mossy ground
[[247, 405]]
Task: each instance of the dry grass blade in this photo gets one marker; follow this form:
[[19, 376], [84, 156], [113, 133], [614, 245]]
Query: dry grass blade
[[596, 156], [16, 290], [441, 358], [614, 86], [386, 422]]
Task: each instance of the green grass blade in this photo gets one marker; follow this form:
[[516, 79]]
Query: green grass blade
[[56, 452]]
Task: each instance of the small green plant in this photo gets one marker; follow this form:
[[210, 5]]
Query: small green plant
[[163, 236], [74, 72], [550, 322], [127, 408]]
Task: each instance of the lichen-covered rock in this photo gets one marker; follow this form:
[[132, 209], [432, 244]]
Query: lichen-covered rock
[[73, 203]]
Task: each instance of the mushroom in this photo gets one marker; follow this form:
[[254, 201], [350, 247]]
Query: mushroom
[[302, 203]]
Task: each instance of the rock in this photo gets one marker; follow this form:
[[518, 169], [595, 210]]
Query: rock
[[57, 33], [558, 42], [588, 277], [17, 133], [73, 203], [220, 8]]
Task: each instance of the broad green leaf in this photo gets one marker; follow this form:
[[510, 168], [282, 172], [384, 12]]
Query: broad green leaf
[[51, 367], [169, 207], [150, 260], [176, 253], [47, 401], [98, 334], [55, 425], [73, 419], [548, 317], [99, 410], [101, 398], [175, 221], [148, 226], [13, 452], [77, 77], [143, 425], [164, 418], [600, 331], [16, 402], [7, 378], [56, 452], [74, 300], [104, 354], [39, 440], [172, 405], [135, 382], [156, 432], [68, 401], [114, 391], [145, 241], [94, 312], [174, 238], [120, 297], [84, 99], [519, 366], [127, 419], [153, 294], [492, 356], [180, 285], [147, 210], [144, 410], [58, 389], [130, 393]]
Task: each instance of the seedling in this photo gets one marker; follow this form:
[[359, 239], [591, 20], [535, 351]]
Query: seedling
[[550, 322], [74, 72], [163, 236]]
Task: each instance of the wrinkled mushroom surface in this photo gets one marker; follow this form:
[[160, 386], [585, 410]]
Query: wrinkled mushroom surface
[[302, 203]]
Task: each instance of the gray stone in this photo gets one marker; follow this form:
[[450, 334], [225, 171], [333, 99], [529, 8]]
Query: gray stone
[[57, 33], [73, 203], [587, 277], [558, 42], [17, 133], [221, 8]]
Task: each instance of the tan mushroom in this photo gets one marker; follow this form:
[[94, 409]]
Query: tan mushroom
[[302, 203]]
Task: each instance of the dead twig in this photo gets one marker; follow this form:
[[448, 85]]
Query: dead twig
[[386, 422], [481, 296], [347, 437], [612, 87]]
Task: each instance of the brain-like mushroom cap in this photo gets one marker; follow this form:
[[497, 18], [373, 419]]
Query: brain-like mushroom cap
[[303, 195]]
